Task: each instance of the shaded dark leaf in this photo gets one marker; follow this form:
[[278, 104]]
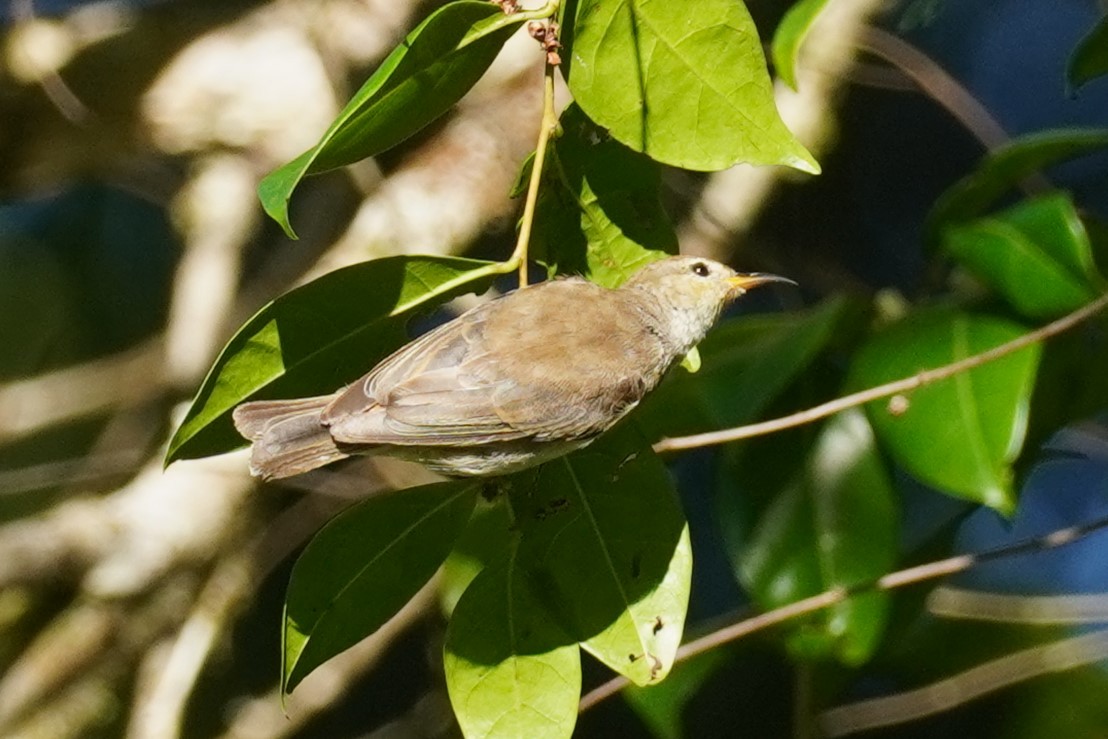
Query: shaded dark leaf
[[363, 566], [421, 79], [1036, 254]]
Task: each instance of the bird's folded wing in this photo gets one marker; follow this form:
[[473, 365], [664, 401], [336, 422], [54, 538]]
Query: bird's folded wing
[[453, 406], [455, 386]]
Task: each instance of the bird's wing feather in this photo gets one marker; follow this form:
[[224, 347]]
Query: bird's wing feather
[[489, 376]]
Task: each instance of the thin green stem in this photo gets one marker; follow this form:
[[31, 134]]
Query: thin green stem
[[546, 127]]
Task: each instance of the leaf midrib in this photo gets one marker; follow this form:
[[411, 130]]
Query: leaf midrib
[[967, 404], [627, 604]]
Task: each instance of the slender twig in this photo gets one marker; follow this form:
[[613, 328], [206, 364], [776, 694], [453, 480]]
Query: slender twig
[[904, 385], [70, 471], [127, 379], [161, 710], [1072, 608], [891, 581], [936, 83], [53, 86], [940, 86], [546, 127], [1063, 654]]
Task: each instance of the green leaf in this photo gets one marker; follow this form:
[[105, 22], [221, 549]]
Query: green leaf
[[685, 83], [600, 213], [745, 364], [421, 79], [363, 566], [1090, 58], [486, 541], [523, 177], [691, 361], [959, 435], [1036, 254], [606, 542], [510, 670], [318, 336], [1003, 169], [835, 525], [790, 34]]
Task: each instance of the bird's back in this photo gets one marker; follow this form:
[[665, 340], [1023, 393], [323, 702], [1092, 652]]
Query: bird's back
[[559, 360]]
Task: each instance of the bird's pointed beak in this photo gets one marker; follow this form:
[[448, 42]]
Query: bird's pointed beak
[[743, 282]]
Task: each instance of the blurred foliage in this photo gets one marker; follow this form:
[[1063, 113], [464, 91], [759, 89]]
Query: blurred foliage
[[588, 561], [1090, 58]]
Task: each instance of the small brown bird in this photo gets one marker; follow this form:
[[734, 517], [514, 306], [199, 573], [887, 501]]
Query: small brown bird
[[509, 384]]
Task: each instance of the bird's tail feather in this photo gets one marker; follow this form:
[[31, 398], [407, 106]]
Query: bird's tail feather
[[289, 437]]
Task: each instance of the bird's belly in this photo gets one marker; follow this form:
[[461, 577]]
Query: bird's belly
[[483, 461]]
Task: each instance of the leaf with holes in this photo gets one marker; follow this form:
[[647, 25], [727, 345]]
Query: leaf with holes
[[661, 707], [605, 539]]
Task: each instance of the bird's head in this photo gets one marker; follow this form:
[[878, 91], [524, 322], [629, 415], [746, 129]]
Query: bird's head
[[687, 294]]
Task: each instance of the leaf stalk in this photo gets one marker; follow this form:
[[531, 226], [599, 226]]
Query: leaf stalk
[[548, 124]]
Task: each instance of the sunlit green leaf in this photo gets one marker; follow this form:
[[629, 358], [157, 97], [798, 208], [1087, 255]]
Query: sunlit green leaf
[[1090, 58], [790, 34], [599, 213], [1036, 254], [605, 539], [962, 434], [834, 525], [1003, 168], [510, 670], [421, 79], [686, 83], [317, 337], [363, 566], [691, 361], [485, 541]]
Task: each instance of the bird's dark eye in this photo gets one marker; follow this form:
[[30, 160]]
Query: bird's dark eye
[[700, 269]]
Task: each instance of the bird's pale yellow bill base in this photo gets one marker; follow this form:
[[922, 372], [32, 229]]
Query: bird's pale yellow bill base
[[744, 282]]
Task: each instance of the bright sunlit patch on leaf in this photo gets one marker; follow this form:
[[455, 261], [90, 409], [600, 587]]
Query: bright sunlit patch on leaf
[[685, 83]]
